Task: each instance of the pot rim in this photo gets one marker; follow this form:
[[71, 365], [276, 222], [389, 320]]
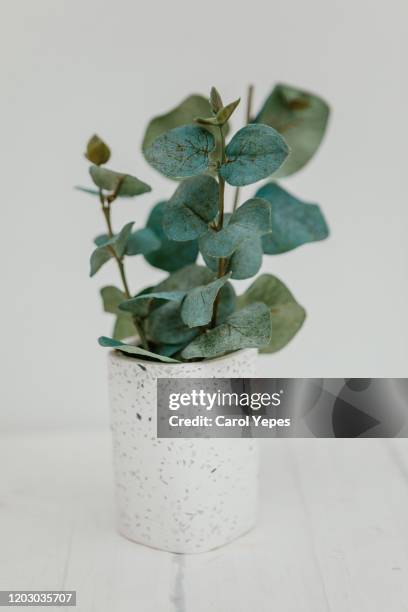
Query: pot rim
[[116, 354]]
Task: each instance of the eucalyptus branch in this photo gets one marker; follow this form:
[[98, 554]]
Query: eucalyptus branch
[[191, 146], [248, 114], [106, 209]]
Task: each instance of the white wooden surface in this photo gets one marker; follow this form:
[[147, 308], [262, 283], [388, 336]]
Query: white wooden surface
[[332, 535]]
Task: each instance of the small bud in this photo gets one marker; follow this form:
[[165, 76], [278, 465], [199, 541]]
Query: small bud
[[97, 151], [215, 101], [225, 113], [206, 120], [221, 116]]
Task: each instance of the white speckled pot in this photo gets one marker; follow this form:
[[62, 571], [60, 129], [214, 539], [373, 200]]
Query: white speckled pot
[[169, 495]]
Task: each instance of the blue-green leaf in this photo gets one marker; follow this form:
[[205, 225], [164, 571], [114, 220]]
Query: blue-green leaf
[[140, 308], [93, 192], [293, 222], [247, 328], [227, 303], [171, 255], [287, 315], [99, 257], [165, 326], [186, 278], [124, 327], [182, 152], [246, 260], [125, 184], [111, 298], [301, 118], [142, 242], [120, 241], [254, 153], [193, 205], [251, 220], [117, 243], [102, 239], [197, 307], [211, 262], [168, 349], [183, 114], [130, 349], [132, 305]]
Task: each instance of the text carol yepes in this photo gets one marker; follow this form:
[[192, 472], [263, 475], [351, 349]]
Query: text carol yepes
[[223, 421]]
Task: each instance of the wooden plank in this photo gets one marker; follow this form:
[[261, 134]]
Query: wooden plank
[[57, 527], [272, 567], [332, 534], [349, 491]]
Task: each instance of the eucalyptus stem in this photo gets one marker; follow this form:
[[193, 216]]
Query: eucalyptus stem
[[106, 213], [249, 99], [248, 113], [220, 224], [106, 209], [221, 201]]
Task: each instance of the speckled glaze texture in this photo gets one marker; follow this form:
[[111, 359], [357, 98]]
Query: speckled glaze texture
[[185, 496]]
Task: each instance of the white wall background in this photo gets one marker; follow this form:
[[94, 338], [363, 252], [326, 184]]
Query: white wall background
[[71, 68]]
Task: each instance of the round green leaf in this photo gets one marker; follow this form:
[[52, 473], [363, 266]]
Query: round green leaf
[[140, 308], [183, 114], [181, 152], [168, 349], [247, 328], [133, 304], [111, 298], [109, 180], [227, 303], [294, 222], [186, 278], [124, 327], [250, 220], [254, 153], [287, 315], [301, 118], [99, 257], [246, 260], [142, 242], [130, 349], [119, 242], [193, 205], [165, 326], [171, 255], [103, 253], [101, 240], [197, 306]]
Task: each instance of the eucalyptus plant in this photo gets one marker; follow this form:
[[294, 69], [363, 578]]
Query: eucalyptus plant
[[194, 312]]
